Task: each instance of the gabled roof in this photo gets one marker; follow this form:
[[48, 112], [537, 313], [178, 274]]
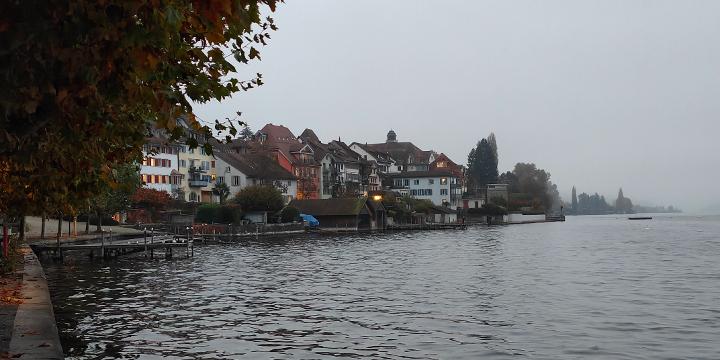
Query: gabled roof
[[330, 207], [379, 155], [256, 166], [309, 135], [277, 133], [402, 152], [342, 152], [435, 209], [421, 174]]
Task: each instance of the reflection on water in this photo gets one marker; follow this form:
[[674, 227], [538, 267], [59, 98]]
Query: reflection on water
[[600, 287]]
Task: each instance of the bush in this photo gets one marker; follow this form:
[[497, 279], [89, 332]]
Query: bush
[[499, 201], [289, 214], [260, 198], [216, 213]]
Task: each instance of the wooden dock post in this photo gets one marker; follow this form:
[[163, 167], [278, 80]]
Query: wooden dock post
[[102, 243], [187, 248], [145, 241], [152, 240]]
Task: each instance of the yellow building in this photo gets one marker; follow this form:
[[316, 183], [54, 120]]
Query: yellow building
[[198, 174]]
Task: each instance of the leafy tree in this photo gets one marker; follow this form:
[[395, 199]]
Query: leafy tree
[[536, 183], [511, 180], [116, 198], [85, 80], [289, 214], [151, 200], [222, 191], [260, 198]]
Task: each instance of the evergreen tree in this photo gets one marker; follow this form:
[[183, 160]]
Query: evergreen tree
[[483, 169], [493, 144], [574, 206], [246, 133]]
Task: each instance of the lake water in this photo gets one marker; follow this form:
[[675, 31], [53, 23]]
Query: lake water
[[592, 287]]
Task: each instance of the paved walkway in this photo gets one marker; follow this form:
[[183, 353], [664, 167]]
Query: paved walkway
[[27, 322], [10, 297], [35, 225]]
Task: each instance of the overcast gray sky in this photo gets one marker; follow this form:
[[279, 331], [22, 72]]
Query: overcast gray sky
[[602, 94]]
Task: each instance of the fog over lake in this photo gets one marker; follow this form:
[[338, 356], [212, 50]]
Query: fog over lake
[[602, 94]]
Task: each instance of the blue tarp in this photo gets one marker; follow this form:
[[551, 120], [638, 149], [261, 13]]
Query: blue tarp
[[311, 220]]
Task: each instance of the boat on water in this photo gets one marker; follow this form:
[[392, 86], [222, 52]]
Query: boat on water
[[640, 218]]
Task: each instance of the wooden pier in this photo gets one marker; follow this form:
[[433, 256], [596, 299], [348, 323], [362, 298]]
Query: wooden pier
[[427, 226], [107, 249]]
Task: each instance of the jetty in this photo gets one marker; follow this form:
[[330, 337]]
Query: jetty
[[427, 226], [107, 248]]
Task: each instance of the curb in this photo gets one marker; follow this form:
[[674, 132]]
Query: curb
[[35, 334]]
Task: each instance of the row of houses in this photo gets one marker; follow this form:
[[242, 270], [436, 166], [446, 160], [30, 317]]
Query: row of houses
[[303, 167]]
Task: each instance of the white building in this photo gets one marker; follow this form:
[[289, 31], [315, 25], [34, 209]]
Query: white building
[[159, 169], [385, 163], [435, 186], [239, 171]]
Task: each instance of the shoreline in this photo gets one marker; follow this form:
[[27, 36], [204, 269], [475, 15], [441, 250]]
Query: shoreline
[[34, 334]]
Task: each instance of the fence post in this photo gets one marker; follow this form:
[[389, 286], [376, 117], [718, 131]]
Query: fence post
[[6, 240], [102, 242]]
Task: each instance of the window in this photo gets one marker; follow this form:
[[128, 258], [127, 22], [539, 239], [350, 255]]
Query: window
[[220, 179], [157, 179], [443, 181], [431, 181], [192, 151], [212, 164], [416, 182], [227, 169], [406, 182], [443, 191], [413, 192], [182, 148], [164, 179], [183, 163], [193, 196], [398, 182], [235, 180]]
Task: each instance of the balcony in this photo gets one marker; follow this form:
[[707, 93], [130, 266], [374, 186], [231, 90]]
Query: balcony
[[198, 183]]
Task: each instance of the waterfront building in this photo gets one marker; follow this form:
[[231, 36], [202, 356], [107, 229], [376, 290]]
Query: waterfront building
[[439, 186], [385, 163], [294, 156], [196, 166], [407, 156], [344, 214], [159, 168], [239, 171], [323, 156]]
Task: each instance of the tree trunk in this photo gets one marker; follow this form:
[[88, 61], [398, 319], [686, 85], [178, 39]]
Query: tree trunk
[[99, 221], [22, 229], [42, 227], [59, 233]]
